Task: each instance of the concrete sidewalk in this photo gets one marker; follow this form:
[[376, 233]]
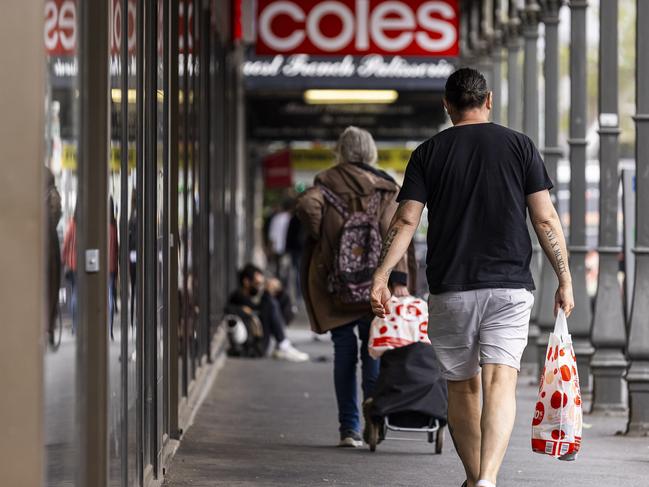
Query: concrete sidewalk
[[270, 423]]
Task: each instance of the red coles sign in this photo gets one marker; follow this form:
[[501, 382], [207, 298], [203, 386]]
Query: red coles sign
[[404, 27]]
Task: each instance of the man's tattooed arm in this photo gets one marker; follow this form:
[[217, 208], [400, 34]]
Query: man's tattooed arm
[[397, 239], [556, 250], [547, 226], [387, 243]]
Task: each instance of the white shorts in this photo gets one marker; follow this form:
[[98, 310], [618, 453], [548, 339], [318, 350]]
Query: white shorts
[[484, 326]]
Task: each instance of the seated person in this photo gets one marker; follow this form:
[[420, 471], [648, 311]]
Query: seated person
[[275, 287], [253, 297]]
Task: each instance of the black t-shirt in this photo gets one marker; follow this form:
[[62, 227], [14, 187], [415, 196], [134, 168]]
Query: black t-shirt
[[474, 179]]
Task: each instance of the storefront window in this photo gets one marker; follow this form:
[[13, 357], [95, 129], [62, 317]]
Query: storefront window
[[61, 142]]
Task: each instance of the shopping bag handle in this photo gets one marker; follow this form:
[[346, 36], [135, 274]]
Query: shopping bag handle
[[561, 326]]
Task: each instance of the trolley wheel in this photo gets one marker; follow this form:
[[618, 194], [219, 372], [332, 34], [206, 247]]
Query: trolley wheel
[[372, 435], [439, 440]]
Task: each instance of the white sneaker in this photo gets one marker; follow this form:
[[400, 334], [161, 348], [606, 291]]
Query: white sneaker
[[290, 354]]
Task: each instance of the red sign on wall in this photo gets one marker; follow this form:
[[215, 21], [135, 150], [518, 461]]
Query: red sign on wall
[[278, 171], [358, 27]]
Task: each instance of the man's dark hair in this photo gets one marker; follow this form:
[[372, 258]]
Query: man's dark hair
[[248, 272], [465, 89]]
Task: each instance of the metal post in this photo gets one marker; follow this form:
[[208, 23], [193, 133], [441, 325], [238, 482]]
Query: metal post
[[514, 44], [580, 321], [465, 20], [609, 333], [92, 239], [638, 348], [497, 57], [530, 16], [174, 234], [478, 44], [552, 153]]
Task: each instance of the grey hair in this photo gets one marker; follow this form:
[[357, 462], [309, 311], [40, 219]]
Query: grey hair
[[356, 145]]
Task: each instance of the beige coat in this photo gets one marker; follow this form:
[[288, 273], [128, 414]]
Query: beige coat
[[323, 224]]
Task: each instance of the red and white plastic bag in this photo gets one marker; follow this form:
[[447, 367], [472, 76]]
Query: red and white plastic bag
[[405, 322], [557, 422]]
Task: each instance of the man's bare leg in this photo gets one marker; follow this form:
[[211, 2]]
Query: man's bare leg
[[498, 414], [464, 423]]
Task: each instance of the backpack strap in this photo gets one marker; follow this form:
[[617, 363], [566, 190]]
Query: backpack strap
[[335, 200]]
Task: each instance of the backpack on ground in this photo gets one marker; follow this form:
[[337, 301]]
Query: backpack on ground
[[357, 254], [245, 333]]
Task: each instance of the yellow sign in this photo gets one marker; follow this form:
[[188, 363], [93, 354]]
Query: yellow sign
[[319, 159], [116, 158], [69, 156]]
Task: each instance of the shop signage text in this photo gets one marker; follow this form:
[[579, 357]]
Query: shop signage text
[[405, 27], [371, 66]]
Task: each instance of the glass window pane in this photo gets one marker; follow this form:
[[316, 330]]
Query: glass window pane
[[61, 133]]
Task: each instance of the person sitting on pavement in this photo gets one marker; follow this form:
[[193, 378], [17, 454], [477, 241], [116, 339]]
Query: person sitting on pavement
[[276, 289], [353, 188], [253, 296], [479, 181]]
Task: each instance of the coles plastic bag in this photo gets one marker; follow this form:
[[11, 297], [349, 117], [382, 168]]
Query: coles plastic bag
[[557, 422], [405, 322]]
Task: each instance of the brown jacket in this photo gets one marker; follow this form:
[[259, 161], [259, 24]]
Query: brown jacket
[[323, 224]]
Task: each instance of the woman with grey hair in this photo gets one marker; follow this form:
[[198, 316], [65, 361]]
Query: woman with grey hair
[[347, 213]]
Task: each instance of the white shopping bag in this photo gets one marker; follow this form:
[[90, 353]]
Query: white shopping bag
[[405, 322], [557, 422]]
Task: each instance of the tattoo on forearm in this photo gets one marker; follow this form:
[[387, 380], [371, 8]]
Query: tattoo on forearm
[[387, 243], [556, 249]]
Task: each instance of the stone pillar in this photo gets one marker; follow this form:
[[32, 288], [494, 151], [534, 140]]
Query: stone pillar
[[580, 320], [609, 331], [514, 44], [638, 347], [547, 286]]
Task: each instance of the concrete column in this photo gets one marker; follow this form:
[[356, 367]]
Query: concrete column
[[22, 245], [609, 330], [551, 153], [514, 45], [638, 347], [580, 321]]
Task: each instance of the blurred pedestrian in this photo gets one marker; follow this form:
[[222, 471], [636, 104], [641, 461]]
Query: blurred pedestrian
[[53, 202], [277, 235], [346, 214], [69, 258], [113, 266], [295, 242], [479, 180], [132, 251]]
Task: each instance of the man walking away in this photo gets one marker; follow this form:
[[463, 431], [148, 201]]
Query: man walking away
[[346, 214], [478, 179]]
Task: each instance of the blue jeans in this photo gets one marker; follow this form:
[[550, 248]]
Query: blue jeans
[[345, 360]]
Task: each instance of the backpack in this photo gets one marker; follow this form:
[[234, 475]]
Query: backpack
[[357, 254], [245, 333]]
